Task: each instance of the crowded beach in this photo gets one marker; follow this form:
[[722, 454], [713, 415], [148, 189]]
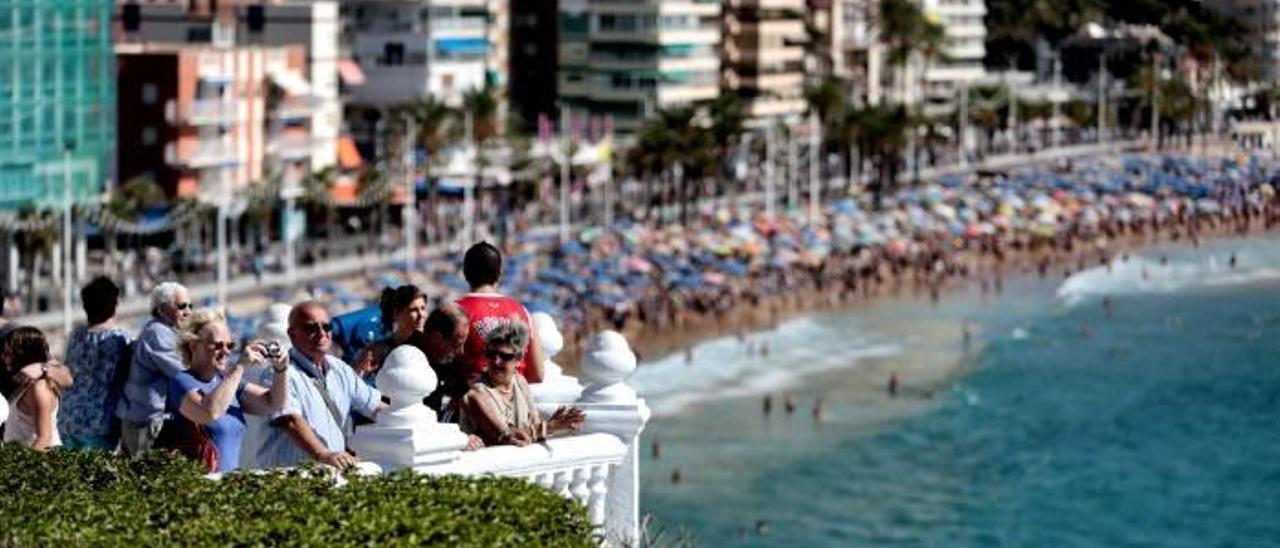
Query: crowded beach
[[193, 380]]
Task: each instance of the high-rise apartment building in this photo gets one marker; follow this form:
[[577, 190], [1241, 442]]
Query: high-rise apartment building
[[57, 89], [313, 25], [202, 119], [629, 58], [961, 61], [763, 56]]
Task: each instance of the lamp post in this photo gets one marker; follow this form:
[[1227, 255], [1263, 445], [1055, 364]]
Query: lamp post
[[410, 194], [564, 174], [66, 238]]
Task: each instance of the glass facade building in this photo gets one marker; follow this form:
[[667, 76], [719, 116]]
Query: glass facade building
[[57, 88]]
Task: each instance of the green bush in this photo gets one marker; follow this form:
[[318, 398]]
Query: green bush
[[90, 498]]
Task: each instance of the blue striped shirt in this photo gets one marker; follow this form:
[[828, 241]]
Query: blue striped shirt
[[348, 392]]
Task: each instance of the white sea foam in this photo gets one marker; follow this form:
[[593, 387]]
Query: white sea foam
[[724, 368], [1140, 275]]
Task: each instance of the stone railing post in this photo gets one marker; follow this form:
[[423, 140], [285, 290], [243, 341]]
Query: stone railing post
[[407, 434], [556, 388], [4, 409], [612, 407]]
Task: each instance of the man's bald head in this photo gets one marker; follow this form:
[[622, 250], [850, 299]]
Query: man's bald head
[[309, 329]]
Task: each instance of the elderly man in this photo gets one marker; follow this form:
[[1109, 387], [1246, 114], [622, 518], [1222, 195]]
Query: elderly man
[[323, 392], [443, 340], [155, 362]]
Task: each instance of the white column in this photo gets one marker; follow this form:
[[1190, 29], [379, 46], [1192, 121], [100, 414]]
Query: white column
[[564, 174], [67, 278], [410, 194], [612, 407], [815, 171]]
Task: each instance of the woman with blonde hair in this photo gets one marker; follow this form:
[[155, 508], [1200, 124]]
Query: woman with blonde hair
[[209, 399]]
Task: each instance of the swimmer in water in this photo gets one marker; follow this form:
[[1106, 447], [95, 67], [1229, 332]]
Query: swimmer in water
[[788, 404], [1232, 262], [676, 476], [768, 404], [1109, 305], [657, 449], [893, 385], [817, 409]]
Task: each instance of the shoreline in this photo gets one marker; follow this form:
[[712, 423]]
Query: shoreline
[[652, 342]]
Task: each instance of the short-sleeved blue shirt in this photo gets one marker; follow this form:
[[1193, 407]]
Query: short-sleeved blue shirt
[[226, 432]]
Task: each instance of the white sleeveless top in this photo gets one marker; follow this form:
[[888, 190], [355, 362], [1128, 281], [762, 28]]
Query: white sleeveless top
[[21, 426]]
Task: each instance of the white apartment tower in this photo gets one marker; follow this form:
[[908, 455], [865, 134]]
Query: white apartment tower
[[966, 29], [629, 58]]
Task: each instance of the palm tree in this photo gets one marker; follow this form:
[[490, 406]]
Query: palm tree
[[672, 138], [884, 133], [434, 122], [316, 187], [727, 119], [126, 204], [36, 240]]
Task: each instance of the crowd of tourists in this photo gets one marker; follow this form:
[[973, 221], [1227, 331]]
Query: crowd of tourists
[[185, 383]]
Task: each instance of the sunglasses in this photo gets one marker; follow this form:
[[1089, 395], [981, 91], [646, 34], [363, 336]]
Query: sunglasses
[[504, 357], [222, 345], [183, 306], [314, 328]]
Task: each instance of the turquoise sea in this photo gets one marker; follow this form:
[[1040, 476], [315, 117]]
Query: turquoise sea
[[1059, 424]]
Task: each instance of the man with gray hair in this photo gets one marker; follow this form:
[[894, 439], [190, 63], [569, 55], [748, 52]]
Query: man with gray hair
[[155, 362]]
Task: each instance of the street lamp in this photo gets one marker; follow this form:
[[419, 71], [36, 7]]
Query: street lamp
[[67, 150]]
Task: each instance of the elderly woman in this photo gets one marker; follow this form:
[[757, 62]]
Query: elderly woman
[[499, 409], [404, 311], [209, 399]]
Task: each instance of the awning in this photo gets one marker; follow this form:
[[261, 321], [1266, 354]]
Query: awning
[[348, 154], [291, 82], [462, 45], [350, 72]]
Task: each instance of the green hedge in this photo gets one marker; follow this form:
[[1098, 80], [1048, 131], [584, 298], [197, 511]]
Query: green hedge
[[91, 498]]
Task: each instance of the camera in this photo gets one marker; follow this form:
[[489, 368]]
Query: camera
[[273, 350]]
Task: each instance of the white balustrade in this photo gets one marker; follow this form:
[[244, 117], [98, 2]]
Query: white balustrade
[[598, 468], [556, 388]]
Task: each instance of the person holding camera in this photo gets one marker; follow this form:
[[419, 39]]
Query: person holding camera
[[323, 393], [208, 400]]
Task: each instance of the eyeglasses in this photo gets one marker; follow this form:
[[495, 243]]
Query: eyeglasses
[[314, 328], [183, 306], [221, 345], [504, 357]]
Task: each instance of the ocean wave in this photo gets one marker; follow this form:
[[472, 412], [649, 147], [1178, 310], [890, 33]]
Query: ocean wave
[[1139, 275], [727, 368]]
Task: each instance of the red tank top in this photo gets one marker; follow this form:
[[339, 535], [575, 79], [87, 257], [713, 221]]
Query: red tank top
[[486, 311]]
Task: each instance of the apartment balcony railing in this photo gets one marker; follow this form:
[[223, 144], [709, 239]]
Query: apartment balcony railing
[[201, 154], [296, 108], [201, 112], [291, 147]]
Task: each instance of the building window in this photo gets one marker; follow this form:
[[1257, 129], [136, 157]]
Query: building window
[[393, 53], [150, 94], [150, 135]]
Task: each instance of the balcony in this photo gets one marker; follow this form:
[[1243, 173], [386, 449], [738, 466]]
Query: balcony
[[201, 112], [291, 147], [201, 154], [296, 108]]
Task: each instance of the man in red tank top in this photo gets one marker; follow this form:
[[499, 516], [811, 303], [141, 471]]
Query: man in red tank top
[[486, 309]]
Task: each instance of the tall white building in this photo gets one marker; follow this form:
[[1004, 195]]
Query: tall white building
[[630, 58], [966, 29], [409, 49], [764, 56]]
